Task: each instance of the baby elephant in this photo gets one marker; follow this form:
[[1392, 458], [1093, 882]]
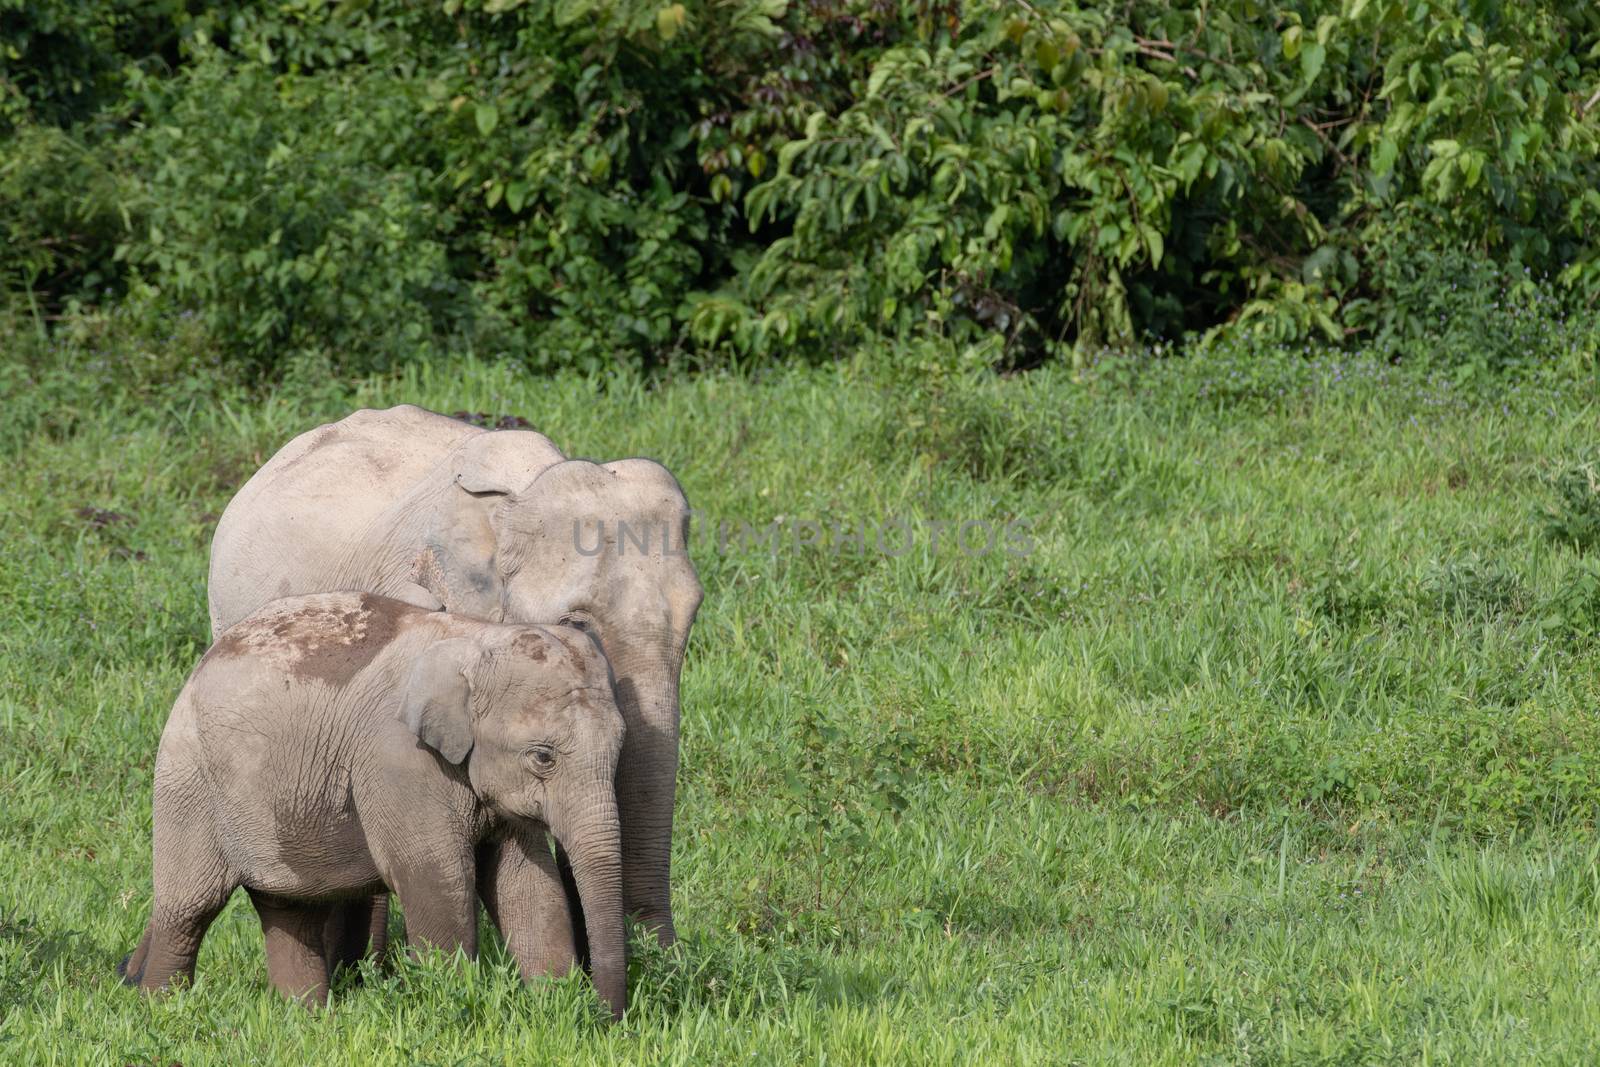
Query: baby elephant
[[332, 745]]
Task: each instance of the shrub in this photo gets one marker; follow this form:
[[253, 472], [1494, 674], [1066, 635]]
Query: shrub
[[588, 181], [60, 221], [286, 213], [1459, 309], [1064, 173], [68, 59]]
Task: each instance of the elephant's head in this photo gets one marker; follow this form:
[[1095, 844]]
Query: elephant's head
[[602, 547], [532, 716]]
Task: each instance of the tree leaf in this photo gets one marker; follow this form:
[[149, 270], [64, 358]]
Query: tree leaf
[[669, 20], [488, 117], [1291, 41], [1384, 156], [1311, 60], [1154, 245]]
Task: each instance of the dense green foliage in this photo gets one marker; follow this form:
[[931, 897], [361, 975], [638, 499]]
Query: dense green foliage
[[1279, 747], [576, 182]]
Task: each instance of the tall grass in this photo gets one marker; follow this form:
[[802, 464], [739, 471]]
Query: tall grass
[[1279, 745]]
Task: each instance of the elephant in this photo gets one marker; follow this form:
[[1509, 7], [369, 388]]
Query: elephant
[[328, 746], [499, 525]]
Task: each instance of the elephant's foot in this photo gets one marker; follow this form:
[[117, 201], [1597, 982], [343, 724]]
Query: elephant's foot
[[131, 969]]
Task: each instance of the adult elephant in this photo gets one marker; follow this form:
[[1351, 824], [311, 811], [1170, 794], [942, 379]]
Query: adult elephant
[[500, 525]]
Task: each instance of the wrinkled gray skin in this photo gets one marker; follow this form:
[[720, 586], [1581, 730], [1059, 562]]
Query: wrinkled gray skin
[[498, 525], [331, 745]]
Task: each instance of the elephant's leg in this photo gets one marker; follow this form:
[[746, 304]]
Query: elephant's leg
[[178, 922], [297, 960], [522, 891], [175, 943], [378, 929], [441, 905], [192, 883], [357, 929], [333, 934]]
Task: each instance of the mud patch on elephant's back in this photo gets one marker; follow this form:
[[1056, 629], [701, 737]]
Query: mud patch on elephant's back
[[532, 644], [234, 642], [351, 639], [328, 642]]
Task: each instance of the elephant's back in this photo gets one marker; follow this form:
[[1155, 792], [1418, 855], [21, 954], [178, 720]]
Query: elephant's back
[[320, 641], [357, 462], [296, 517]]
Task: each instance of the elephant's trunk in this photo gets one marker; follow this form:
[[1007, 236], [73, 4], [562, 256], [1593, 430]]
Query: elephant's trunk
[[647, 779], [593, 842]]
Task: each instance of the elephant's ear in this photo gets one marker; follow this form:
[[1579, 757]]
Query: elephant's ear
[[436, 702], [415, 594], [457, 561], [503, 461]]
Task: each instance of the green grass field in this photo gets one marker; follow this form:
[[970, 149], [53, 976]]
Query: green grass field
[[1280, 747]]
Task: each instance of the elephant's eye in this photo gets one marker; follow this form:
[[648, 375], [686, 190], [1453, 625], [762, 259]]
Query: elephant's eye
[[577, 621], [543, 759]]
